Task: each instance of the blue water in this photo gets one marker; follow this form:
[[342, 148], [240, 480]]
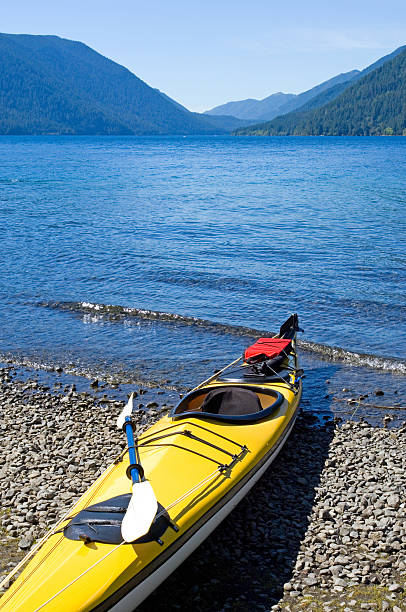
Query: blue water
[[235, 231]]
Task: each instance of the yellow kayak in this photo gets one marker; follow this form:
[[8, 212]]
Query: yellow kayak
[[200, 461]]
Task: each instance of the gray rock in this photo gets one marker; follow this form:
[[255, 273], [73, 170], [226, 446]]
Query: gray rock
[[393, 501], [342, 560], [311, 581], [395, 588], [25, 543]]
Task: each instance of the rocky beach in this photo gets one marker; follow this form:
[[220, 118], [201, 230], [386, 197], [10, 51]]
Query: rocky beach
[[323, 530]]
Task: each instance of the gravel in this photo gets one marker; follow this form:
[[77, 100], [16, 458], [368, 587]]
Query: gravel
[[324, 528]]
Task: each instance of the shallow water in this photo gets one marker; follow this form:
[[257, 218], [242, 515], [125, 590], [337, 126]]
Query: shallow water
[[225, 233]]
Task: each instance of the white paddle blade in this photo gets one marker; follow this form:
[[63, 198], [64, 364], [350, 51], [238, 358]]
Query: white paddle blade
[[126, 412], [140, 513]]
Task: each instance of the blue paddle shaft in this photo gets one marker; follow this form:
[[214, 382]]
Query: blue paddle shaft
[[135, 477]]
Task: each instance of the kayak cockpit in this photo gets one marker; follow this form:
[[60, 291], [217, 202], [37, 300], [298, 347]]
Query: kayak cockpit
[[231, 404]]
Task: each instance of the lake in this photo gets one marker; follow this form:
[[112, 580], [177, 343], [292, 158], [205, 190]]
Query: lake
[[225, 235]]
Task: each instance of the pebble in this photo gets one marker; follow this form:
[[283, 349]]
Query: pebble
[[395, 588], [25, 543]]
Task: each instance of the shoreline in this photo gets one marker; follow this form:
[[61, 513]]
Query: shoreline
[[325, 525]]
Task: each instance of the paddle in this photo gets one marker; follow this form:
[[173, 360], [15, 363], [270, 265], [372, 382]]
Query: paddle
[[143, 505]]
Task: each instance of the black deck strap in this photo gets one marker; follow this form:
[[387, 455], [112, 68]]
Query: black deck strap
[[138, 467], [269, 365]]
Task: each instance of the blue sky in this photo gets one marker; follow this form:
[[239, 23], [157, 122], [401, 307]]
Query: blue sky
[[207, 53]]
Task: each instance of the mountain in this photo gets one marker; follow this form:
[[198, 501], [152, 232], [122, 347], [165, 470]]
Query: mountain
[[228, 122], [335, 84], [326, 95], [253, 109], [50, 85], [177, 104], [278, 103], [374, 103]]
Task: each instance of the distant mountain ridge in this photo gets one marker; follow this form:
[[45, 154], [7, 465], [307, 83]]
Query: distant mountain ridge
[[51, 85], [252, 109], [332, 86], [278, 103], [228, 122], [372, 104]]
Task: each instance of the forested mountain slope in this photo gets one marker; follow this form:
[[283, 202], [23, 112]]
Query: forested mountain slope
[[50, 85], [375, 104]]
